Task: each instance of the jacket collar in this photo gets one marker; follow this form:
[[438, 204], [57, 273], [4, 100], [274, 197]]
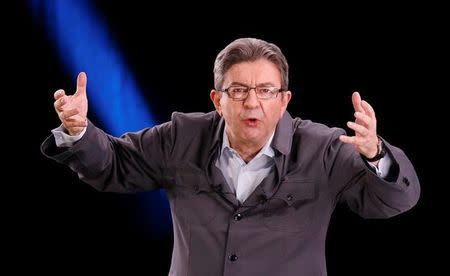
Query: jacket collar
[[282, 140]]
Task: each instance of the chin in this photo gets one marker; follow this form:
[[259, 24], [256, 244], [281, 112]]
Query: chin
[[253, 135]]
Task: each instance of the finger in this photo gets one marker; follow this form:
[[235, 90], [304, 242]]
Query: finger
[[354, 140], [68, 113], [58, 94], [359, 129], [81, 83], [368, 109], [356, 100], [362, 118], [60, 102]]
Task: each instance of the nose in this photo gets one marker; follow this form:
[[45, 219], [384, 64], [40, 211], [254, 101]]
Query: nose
[[252, 100]]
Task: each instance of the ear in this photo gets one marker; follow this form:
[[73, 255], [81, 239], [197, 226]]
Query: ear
[[285, 99], [215, 98]]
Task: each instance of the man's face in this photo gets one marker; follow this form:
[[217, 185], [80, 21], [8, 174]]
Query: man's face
[[251, 121]]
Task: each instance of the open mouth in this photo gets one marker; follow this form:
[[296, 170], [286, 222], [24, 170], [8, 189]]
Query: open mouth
[[252, 122]]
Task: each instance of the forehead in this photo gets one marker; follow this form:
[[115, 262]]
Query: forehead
[[259, 71]]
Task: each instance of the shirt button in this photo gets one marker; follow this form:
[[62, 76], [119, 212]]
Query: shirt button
[[233, 257], [238, 217]]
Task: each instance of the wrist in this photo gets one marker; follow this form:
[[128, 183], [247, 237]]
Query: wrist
[[381, 152]]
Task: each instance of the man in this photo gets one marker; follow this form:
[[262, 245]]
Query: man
[[251, 189]]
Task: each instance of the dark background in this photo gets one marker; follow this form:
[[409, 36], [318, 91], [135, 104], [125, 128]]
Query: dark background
[[389, 54]]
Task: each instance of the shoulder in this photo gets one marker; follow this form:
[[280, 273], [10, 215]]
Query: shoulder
[[195, 125], [193, 117], [188, 122], [312, 131]]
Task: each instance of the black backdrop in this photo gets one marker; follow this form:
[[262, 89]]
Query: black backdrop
[[386, 53]]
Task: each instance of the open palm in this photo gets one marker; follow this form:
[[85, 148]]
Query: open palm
[[365, 139]]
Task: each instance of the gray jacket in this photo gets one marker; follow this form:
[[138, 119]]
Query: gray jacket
[[281, 228]]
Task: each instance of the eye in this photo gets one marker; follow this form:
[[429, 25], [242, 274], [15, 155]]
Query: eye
[[237, 89], [265, 90]]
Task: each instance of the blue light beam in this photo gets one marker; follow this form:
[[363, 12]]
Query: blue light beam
[[82, 43]]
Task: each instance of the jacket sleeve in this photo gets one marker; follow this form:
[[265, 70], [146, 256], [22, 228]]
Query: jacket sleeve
[[131, 163], [359, 186]]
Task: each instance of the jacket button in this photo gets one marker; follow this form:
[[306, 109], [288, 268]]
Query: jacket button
[[289, 197], [238, 217], [233, 257], [406, 181], [196, 187]]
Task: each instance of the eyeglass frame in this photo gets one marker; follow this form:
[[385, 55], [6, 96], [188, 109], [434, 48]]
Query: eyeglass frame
[[280, 90]]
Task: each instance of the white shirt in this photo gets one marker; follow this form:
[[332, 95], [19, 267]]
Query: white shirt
[[242, 177]]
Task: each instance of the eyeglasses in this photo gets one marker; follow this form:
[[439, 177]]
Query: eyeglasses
[[240, 92]]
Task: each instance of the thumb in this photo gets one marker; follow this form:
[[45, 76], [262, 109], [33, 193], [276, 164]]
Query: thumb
[[81, 83]]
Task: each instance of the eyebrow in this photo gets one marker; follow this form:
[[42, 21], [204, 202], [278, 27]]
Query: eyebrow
[[258, 85]]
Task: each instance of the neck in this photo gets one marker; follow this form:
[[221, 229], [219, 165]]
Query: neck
[[246, 151]]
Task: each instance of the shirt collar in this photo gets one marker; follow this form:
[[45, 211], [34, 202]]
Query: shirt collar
[[266, 150]]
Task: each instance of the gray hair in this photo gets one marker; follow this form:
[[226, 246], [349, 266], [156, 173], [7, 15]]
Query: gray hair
[[248, 50]]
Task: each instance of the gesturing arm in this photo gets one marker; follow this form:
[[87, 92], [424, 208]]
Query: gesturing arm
[[131, 163], [359, 186]]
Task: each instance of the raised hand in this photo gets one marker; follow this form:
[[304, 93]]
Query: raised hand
[[72, 110], [365, 127]]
